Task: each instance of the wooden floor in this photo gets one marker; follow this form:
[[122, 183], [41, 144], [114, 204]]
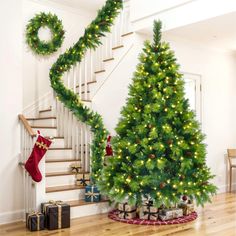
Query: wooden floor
[[218, 218]]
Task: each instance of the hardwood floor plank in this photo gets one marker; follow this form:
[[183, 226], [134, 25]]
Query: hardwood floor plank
[[216, 219]]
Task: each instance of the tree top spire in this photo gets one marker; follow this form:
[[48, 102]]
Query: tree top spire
[[157, 32]]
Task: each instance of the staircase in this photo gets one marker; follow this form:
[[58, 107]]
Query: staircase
[[60, 182], [71, 138]]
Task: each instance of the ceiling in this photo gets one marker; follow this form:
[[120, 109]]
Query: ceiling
[[89, 5], [218, 32]]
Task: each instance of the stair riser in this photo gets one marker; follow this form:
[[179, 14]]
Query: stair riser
[[59, 166], [44, 122], [47, 132], [57, 154], [92, 209], [45, 114], [60, 180], [58, 143], [77, 194]]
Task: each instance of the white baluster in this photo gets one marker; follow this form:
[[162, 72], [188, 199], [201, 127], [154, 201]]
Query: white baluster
[[81, 146], [74, 78], [80, 80], [92, 60], [86, 77], [85, 148]]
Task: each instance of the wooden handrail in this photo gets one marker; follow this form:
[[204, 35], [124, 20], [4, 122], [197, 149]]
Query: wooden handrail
[[27, 126]]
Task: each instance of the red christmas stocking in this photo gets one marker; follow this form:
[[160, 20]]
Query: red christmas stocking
[[109, 151], [40, 147]]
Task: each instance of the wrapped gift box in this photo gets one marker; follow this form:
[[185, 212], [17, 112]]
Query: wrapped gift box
[[148, 212], [187, 207], [35, 221], [126, 211], [82, 179], [92, 194], [57, 214], [169, 214]]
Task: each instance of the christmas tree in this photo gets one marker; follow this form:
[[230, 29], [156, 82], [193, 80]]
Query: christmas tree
[[159, 149]]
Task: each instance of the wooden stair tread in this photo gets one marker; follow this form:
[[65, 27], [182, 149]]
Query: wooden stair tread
[[52, 137], [126, 34], [108, 59], [45, 110], [42, 118], [99, 71], [43, 127], [52, 174], [84, 100], [58, 148], [75, 203], [62, 160], [117, 47], [63, 188]]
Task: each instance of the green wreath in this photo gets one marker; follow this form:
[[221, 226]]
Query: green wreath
[[54, 24]]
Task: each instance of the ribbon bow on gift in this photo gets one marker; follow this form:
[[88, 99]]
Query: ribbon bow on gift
[[83, 181], [34, 213], [51, 202], [75, 168]]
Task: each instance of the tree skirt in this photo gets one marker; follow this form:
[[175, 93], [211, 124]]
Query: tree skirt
[[114, 216]]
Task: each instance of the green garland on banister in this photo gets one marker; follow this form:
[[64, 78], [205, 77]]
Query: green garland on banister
[[90, 40], [44, 20]]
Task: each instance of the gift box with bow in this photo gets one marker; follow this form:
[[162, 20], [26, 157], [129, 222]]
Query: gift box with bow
[[82, 179], [148, 211], [92, 194], [126, 211], [35, 221], [57, 214], [169, 214], [187, 207]]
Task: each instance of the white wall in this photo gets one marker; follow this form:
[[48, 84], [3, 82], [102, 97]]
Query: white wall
[[112, 95], [11, 106], [36, 68], [218, 74]]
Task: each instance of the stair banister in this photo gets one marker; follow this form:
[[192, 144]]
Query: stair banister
[[78, 135], [34, 193]]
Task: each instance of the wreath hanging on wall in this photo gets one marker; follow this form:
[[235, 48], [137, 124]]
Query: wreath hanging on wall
[[55, 26]]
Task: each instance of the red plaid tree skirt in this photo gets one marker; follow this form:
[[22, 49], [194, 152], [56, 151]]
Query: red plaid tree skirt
[[114, 216]]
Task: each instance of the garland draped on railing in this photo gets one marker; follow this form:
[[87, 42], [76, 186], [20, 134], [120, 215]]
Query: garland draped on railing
[[90, 40]]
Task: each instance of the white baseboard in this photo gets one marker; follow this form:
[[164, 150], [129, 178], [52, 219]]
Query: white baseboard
[[225, 188], [11, 216]]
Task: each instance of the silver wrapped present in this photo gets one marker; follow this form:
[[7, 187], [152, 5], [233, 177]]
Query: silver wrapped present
[[169, 214], [126, 211], [148, 212]]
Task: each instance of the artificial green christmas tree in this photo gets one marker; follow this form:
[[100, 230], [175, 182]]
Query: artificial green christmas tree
[[159, 149]]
